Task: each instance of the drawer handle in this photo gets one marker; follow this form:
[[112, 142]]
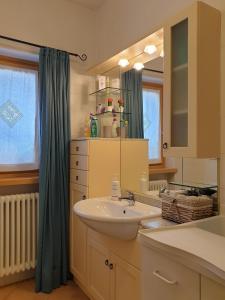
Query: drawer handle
[[77, 163], [84, 197], [77, 178], [165, 146], [157, 274], [106, 262], [77, 148]]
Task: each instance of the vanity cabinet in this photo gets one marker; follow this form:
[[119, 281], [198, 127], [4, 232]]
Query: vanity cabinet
[[191, 126], [78, 235], [164, 278], [93, 163], [109, 276], [211, 290]]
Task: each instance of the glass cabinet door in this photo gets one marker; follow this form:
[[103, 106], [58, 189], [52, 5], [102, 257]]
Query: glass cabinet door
[[179, 84]]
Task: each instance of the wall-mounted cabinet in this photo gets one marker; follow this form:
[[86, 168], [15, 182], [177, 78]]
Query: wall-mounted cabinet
[[192, 83]]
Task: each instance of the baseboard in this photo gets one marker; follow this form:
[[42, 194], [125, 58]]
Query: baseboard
[[10, 279], [82, 287]]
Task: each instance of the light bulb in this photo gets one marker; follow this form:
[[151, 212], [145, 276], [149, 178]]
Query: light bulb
[[138, 66], [150, 49], [161, 53], [123, 62]]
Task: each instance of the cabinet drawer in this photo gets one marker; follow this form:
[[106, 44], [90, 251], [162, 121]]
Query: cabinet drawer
[[163, 278], [79, 147], [79, 162], [79, 176]]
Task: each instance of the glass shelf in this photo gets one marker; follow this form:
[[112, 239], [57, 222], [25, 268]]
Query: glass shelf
[[110, 91], [112, 113], [194, 185]]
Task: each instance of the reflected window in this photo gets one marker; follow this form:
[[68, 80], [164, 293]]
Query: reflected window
[[152, 99]]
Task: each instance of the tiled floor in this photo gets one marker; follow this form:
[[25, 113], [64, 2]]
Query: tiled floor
[[25, 291]]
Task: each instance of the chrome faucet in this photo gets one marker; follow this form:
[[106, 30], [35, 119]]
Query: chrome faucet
[[129, 198]]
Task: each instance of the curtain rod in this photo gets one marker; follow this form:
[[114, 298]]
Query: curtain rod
[[82, 57], [152, 70]]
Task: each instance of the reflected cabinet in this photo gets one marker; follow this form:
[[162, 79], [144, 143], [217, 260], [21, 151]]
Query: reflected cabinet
[[192, 83]]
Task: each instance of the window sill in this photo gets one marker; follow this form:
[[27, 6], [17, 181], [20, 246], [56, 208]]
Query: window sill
[[19, 178], [161, 170]]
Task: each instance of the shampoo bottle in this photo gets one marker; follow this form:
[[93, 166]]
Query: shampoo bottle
[[94, 127]]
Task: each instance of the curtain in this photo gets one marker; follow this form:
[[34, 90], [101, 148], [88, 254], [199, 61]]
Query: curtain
[[132, 81], [52, 258]]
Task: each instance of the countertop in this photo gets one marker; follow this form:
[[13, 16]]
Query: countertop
[[199, 249]]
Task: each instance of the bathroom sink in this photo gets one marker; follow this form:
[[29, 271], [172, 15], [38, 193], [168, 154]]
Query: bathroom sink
[[114, 218]]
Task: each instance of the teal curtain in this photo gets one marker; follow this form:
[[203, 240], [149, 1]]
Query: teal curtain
[[52, 257], [132, 82]]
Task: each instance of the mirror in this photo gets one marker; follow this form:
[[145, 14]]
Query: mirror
[[143, 167]]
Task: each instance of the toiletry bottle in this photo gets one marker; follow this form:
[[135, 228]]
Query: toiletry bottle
[[94, 127], [114, 126], [87, 127], [116, 192], [144, 183]]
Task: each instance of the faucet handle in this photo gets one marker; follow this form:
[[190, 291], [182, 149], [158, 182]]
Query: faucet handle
[[130, 195]]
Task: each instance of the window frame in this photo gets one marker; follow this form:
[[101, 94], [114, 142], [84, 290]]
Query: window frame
[[157, 87], [18, 177]]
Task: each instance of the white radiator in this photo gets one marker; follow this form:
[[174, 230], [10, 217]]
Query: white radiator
[[18, 232], [156, 185]]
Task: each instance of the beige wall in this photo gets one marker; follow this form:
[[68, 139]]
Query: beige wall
[[122, 23], [80, 102], [56, 23]]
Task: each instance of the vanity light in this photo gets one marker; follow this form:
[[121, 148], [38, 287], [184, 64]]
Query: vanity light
[[150, 49], [138, 66], [123, 62], [161, 53]]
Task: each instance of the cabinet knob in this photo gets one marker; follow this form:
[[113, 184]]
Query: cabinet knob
[[77, 148], [106, 262], [84, 197], [165, 146], [77, 178], [111, 266], [77, 163]]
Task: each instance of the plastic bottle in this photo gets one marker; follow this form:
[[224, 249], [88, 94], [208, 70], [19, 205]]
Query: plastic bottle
[[114, 126], [94, 127], [87, 130], [116, 192], [144, 183]]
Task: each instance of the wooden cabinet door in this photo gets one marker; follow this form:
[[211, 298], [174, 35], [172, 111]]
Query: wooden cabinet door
[[211, 290], [180, 84], [98, 271], [78, 236], [125, 280], [163, 278], [191, 94]]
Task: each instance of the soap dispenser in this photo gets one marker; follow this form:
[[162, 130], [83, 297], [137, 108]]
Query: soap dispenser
[[116, 192], [144, 183]]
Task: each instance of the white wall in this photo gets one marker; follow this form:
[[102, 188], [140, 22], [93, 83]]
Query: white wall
[[59, 24]]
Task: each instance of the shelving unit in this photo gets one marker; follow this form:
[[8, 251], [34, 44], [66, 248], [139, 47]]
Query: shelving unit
[[103, 115]]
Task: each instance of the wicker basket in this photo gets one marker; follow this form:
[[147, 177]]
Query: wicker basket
[[182, 209]]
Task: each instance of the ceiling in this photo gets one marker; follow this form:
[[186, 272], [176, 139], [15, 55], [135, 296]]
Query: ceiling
[[91, 4]]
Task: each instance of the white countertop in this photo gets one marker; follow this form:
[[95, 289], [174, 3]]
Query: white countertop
[[197, 248]]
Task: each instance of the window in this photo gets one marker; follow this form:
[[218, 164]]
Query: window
[[152, 116], [18, 115]]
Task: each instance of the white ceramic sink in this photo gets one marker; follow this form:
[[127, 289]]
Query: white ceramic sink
[[114, 218]]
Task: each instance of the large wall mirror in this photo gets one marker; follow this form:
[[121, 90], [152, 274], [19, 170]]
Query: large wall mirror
[[138, 83]]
